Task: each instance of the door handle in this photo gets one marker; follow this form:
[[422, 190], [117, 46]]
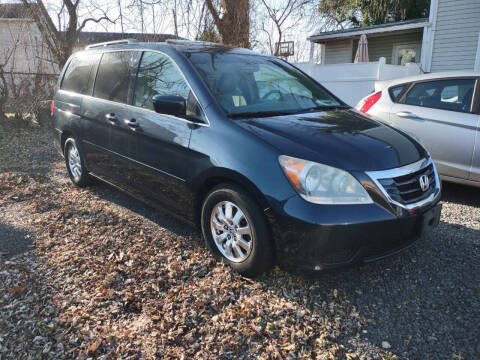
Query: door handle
[[408, 115], [112, 118], [132, 123]]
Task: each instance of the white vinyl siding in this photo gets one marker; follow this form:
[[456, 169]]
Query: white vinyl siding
[[21, 39], [338, 52], [456, 35], [343, 51], [382, 46]]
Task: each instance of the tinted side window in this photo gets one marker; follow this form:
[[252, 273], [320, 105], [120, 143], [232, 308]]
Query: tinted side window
[[116, 75], [158, 75], [396, 91], [454, 94], [78, 76]]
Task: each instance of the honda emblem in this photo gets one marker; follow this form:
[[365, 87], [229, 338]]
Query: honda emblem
[[424, 182]]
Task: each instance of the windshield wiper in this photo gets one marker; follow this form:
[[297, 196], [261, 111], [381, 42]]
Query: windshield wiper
[[324, 108], [259, 114], [285, 112]]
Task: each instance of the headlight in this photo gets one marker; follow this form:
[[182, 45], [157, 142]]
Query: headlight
[[322, 184]]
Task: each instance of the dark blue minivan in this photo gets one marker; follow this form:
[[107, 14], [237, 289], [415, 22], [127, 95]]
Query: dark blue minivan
[[270, 164]]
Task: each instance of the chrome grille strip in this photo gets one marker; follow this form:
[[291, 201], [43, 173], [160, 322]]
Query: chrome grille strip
[[376, 176]]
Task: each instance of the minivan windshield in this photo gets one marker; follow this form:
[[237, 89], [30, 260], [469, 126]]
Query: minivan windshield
[[253, 85]]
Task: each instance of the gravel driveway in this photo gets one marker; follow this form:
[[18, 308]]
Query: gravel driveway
[[94, 273]]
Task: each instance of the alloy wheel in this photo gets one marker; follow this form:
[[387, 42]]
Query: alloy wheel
[[231, 231], [74, 162]]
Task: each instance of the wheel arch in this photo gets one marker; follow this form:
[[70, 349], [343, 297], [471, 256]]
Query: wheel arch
[[64, 136], [222, 175], [67, 133], [218, 176]]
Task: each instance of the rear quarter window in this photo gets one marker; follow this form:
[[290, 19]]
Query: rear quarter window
[[80, 74], [395, 91]]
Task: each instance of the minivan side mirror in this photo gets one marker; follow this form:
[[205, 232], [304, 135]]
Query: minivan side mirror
[[170, 104]]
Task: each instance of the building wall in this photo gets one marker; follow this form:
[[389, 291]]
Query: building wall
[[26, 67], [382, 46], [338, 52], [455, 35], [22, 49]]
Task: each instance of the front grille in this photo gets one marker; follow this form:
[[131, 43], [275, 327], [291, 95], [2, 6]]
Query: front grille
[[406, 189]]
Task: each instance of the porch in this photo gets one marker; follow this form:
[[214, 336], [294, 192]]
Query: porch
[[399, 43]]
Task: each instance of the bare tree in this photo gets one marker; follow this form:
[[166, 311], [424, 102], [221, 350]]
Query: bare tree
[[147, 16], [120, 15], [4, 93], [61, 43], [192, 18], [232, 20], [285, 15]]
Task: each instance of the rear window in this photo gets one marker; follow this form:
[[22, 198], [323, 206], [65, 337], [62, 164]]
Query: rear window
[[80, 73], [116, 75], [395, 91]]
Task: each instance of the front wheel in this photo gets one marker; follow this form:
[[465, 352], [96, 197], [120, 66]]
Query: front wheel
[[236, 231]]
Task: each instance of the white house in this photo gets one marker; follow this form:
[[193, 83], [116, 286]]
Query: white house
[[452, 42], [448, 40], [22, 50], [398, 42]]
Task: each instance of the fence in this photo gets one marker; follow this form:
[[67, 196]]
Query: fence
[[351, 82]]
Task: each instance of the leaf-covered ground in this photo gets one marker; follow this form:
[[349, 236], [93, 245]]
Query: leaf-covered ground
[[92, 273]]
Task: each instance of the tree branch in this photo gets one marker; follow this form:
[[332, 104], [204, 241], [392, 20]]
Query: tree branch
[[214, 13], [84, 22]]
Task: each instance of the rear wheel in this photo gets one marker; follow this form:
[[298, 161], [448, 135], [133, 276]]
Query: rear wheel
[[75, 162], [236, 231]]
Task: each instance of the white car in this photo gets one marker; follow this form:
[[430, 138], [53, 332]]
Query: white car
[[442, 111]]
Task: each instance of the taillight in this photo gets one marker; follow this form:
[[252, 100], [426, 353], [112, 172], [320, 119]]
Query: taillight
[[370, 101], [52, 107]]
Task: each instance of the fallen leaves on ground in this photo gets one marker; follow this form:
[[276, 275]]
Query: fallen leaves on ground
[[104, 282]]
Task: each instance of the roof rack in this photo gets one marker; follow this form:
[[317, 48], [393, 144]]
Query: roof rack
[[191, 42], [116, 42]]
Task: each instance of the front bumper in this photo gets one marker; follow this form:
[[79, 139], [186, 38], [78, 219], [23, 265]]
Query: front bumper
[[321, 237]]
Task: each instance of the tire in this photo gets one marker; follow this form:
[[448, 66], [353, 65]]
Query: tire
[[75, 163], [251, 229]]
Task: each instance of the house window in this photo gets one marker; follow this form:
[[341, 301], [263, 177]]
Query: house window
[[406, 53]]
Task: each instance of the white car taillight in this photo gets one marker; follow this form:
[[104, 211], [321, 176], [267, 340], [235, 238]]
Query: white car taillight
[[366, 104]]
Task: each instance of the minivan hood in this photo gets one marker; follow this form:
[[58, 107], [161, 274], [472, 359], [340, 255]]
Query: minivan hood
[[341, 138]]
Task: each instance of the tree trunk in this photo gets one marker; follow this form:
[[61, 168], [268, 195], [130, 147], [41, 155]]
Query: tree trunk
[[234, 25], [3, 93]]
